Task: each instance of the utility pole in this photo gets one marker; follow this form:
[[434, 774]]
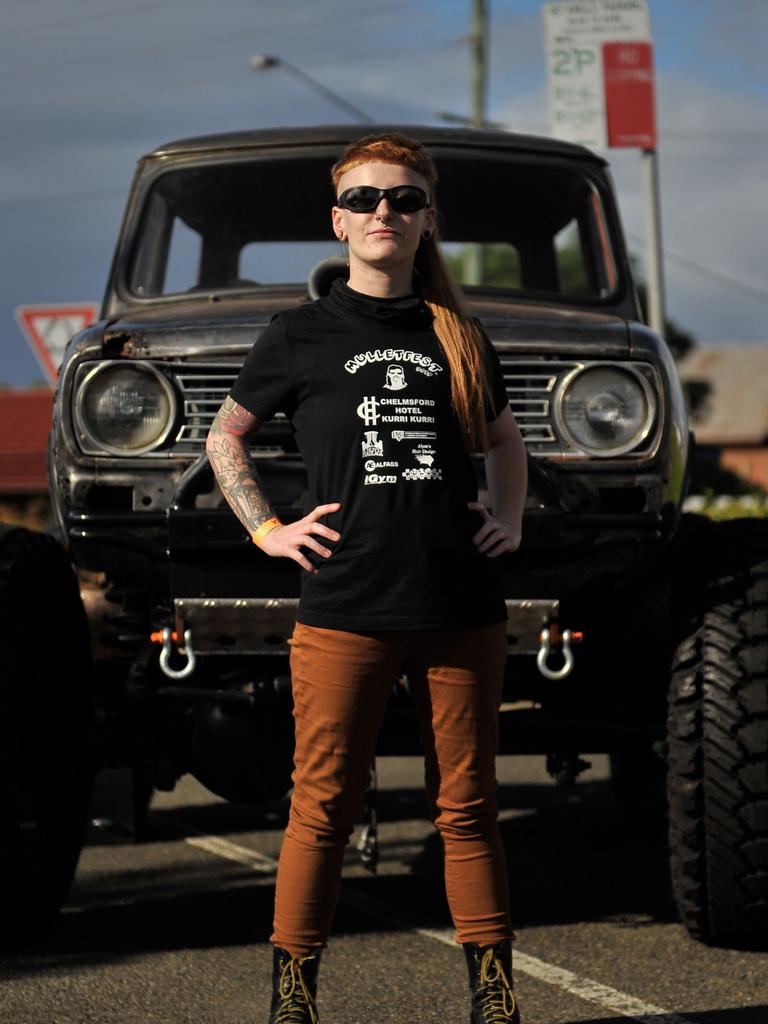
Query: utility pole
[[654, 253], [479, 62], [473, 266]]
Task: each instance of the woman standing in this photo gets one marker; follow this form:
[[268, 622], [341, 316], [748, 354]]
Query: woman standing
[[389, 386]]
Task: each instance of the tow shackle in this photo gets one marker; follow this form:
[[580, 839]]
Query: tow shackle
[[552, 638], [169, 639]]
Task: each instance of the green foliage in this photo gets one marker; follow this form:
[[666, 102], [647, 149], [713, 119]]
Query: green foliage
[[501, 269], [500, 265], [570, 265], [679, 340], [753, 505]]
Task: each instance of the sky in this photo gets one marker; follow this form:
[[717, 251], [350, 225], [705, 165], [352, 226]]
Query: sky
[[87, 87]]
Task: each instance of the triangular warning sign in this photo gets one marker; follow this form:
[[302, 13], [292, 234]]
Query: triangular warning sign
[[49, 328]]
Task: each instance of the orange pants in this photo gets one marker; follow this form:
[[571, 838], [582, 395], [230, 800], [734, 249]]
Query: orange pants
[[341, 685]]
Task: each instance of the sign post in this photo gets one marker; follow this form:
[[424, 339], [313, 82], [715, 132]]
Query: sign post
[[49, 328], [601, 90]]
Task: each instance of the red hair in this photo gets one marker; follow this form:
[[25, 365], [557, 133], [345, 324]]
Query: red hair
[[458, 334]]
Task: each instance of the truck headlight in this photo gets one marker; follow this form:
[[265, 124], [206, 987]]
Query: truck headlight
[[124, 409], [606, 410]]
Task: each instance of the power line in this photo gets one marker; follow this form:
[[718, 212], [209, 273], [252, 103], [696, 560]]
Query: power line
[[712, 133], [761, 294]]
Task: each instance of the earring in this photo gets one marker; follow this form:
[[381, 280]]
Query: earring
[[427, 235]]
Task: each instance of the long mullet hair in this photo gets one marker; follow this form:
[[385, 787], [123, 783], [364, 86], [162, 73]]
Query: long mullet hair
[[458, 334]]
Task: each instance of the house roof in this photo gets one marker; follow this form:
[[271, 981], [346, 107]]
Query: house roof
[[736, 409], [25, 422]]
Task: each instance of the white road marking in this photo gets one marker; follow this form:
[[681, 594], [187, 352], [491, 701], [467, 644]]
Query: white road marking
[[231, 851], [585, 988], [595, 992]]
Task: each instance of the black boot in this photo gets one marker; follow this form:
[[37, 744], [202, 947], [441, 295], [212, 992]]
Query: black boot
[[490, 978], [294, 988]]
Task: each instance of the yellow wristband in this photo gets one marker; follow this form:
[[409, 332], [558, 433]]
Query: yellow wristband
[[265, 528]]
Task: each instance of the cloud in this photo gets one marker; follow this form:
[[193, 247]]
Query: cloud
[[736, 34], [84, 93], [712, 173]]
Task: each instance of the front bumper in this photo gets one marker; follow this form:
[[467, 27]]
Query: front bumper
[[191, 553]]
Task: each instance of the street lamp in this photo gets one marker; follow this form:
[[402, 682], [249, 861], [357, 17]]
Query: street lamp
[[447, 116], [264, 62]]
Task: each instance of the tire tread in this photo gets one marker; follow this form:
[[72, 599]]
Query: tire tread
[[718, 764]]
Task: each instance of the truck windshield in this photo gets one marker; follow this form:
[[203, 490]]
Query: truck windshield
[[508, 225]]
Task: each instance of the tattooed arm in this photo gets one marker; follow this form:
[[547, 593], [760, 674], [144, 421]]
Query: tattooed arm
[[233, 466], [230, 459]]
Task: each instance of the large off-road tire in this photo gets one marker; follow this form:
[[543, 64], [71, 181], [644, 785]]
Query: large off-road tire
[[717, 752], [45, 725]]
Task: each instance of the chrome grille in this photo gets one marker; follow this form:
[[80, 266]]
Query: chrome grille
[[531, 385], [203, 394], [203, 389]]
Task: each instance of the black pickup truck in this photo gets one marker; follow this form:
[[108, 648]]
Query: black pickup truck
[[633, 629]]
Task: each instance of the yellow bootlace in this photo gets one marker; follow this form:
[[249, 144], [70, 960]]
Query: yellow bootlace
[[497, 998], [294, 992]]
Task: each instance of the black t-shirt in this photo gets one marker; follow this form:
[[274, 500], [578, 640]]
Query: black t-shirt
[[366, 386]]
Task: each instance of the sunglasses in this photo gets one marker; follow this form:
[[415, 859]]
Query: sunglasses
[[366, 198]]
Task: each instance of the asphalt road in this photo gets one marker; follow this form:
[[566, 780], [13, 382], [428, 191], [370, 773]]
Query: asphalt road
[[174, 930]]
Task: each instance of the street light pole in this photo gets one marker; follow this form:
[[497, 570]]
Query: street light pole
[[452, 118], [263, 62]]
